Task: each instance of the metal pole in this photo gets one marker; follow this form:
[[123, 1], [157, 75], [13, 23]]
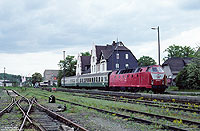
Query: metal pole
[[64, 69], [158, 42], [4, 77], [158, 45]]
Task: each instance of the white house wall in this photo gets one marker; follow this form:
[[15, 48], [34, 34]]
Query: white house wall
[[168, 71], [103, 65], [78, 65], [93, 60]]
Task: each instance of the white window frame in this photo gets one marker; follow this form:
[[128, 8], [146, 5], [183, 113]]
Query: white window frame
[[127, 65], [117, 56], [117, 65], [126, 56]]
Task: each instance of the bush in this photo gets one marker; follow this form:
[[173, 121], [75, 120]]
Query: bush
[[189, 77]]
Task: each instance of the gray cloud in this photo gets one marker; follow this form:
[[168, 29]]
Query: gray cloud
[[33, 26]]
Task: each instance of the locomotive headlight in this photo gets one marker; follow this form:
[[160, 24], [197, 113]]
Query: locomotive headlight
[[151, 82], [163, 82]]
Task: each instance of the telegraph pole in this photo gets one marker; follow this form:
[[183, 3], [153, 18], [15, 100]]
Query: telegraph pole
[[64, 69]]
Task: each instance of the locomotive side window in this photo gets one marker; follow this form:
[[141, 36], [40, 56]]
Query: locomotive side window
[[137, 70], [154, 69]]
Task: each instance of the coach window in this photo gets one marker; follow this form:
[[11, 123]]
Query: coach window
[[105, 78], [132, 75]]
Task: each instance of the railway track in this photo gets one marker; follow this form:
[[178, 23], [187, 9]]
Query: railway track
[[119, 97], [161, 97], [29, 114], [172, 106], [143, 120]]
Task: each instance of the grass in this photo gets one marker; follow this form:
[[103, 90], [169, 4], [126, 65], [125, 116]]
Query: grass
[[109, 105], [175, 88]]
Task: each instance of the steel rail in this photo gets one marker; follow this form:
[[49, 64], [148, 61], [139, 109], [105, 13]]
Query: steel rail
[[7, 108], [61, 118], [121, 115], [26, 115], [135, 102], [126, 95], [159, 116], [125, 116]]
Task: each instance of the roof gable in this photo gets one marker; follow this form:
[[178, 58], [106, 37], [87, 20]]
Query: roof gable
[[107, 50], [177, 63]]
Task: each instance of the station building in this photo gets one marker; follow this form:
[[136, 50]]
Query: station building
[[106, 58]]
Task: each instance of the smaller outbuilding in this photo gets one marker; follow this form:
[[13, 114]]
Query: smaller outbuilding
[[6, 83], [50, 76], [173, 66]]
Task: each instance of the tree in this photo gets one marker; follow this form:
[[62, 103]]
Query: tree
[[179, 51], [189, 77], [60, 75], [85, 54], [68, 68], [36, 77], [146, 61]]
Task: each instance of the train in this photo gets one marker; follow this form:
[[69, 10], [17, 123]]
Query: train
[[142, 78]]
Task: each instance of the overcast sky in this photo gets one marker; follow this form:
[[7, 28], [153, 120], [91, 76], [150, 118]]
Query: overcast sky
[[34, 33]]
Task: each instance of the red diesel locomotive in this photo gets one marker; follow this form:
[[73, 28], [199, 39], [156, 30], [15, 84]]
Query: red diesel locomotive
[[143, 78]]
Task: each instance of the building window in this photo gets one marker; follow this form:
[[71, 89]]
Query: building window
[[117, 66], [126, 65], [126, 56], [103, 67], [117, 56], [93, 58]]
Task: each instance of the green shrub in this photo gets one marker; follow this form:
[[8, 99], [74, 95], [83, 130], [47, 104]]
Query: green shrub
[[189, 77]]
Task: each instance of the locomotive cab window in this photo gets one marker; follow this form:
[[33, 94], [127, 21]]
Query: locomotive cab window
[[156, 69]]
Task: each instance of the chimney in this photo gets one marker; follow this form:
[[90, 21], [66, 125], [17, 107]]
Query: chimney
[[113, 44]]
